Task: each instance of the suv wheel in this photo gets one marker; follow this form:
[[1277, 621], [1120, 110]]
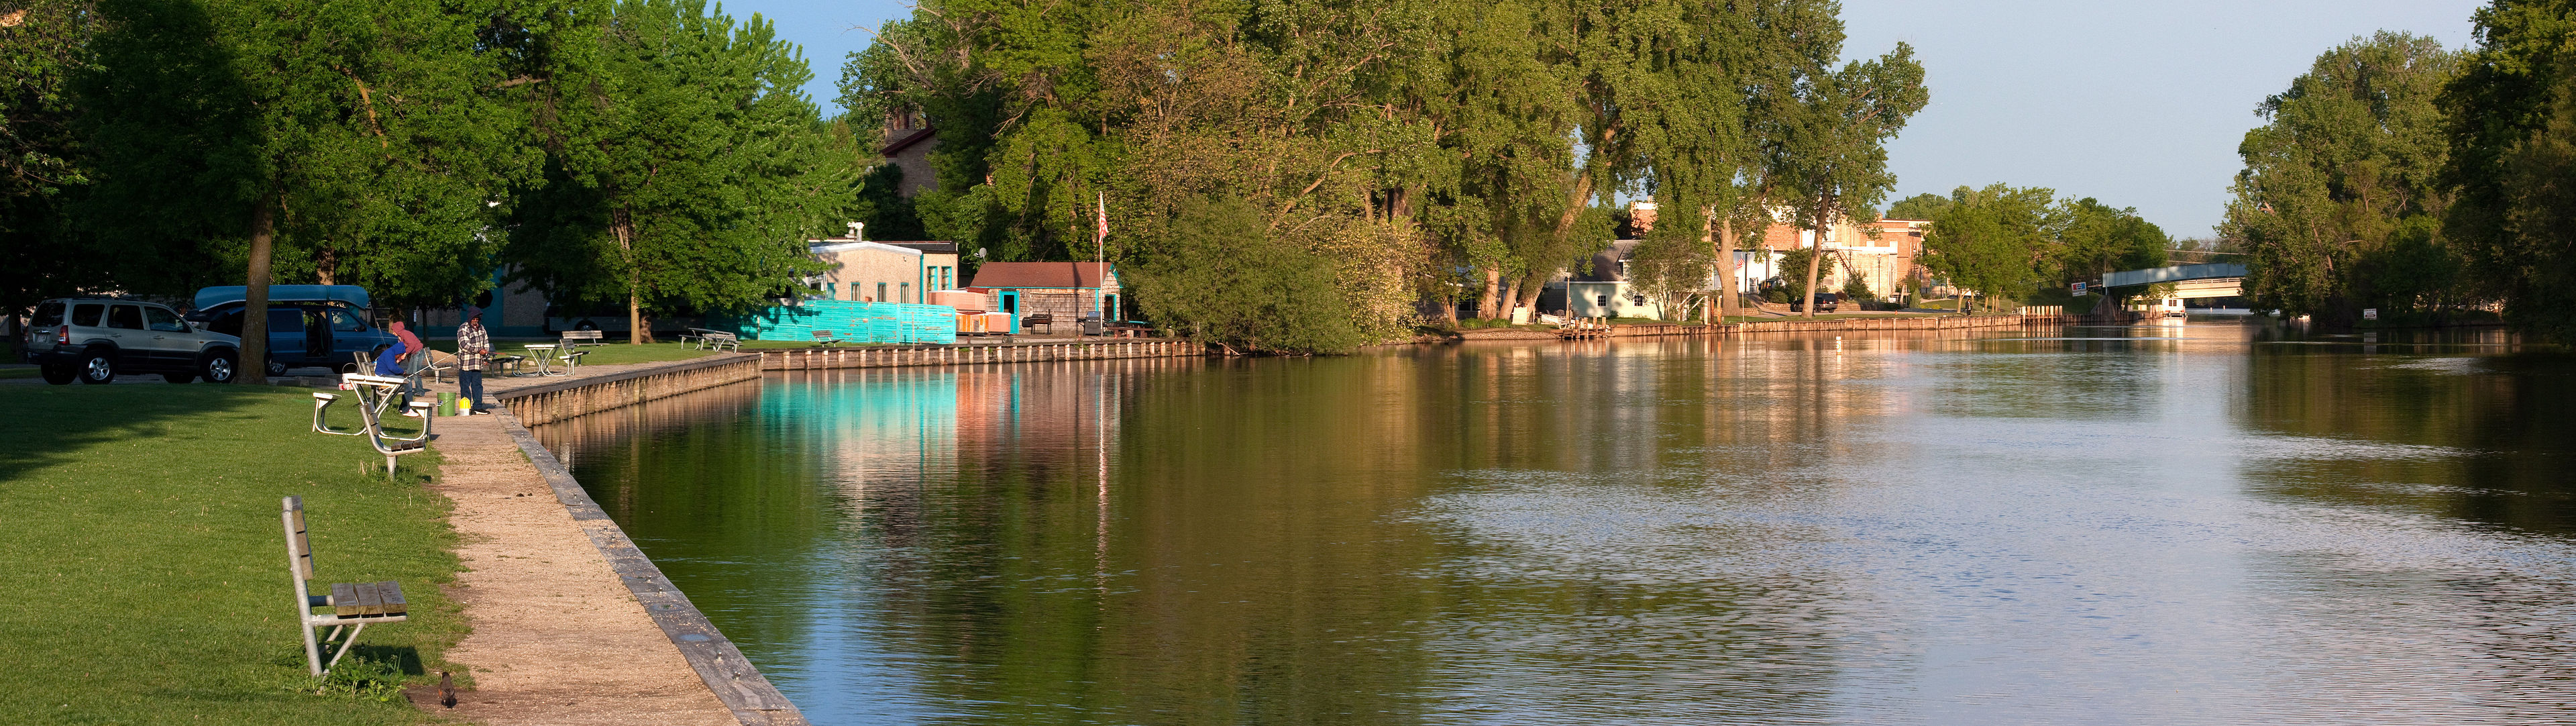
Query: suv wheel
[[58, 374], [275, 368], [219, 366], [96, 367]]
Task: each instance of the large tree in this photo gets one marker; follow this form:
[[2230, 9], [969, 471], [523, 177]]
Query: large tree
[[2338, 201], [1991, 240], [1831, 152], [2512, 147], [313, 138], [42, 46], [684, 168]]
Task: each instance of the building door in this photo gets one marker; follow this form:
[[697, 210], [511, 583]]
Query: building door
[[1011, 302], [1109, 308]]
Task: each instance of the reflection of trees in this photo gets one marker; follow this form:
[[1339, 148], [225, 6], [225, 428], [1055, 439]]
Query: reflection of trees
[[2485, 440]]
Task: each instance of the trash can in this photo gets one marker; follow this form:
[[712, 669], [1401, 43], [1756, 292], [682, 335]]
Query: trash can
[[1092, 326]]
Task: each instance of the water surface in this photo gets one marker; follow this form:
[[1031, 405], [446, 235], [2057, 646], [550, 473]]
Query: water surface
[[2216, 522]]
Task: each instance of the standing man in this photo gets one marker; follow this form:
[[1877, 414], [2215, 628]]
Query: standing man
[[415, 357], [473, 350]]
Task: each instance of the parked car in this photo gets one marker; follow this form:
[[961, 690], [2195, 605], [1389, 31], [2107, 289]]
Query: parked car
[[308, 325], [94, 340], [1826, 302]]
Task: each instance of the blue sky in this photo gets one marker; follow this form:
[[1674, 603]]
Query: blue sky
[[2138, 104]]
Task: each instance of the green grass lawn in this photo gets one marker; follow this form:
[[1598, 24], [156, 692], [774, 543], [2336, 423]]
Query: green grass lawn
[[146, 565]]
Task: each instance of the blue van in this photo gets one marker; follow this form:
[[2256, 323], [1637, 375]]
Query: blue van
[[308, 325]]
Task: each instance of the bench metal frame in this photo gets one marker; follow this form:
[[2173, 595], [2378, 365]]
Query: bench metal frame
[[354, 605], [375, 394]]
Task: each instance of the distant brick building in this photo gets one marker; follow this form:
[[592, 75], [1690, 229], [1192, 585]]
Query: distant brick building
[[909, 140], [1887, 253]]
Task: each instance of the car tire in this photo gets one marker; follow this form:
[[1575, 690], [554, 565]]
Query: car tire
[[219, 366], [275, 368], [60, 375], [585, 324], [179, 377], [95, 367]]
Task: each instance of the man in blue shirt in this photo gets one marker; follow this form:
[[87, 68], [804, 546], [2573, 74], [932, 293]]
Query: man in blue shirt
[[389, 364]]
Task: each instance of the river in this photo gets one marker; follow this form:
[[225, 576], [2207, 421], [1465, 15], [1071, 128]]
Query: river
[[2215, 522]]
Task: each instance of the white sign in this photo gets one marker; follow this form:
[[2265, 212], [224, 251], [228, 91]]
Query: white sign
[[2370, 313]]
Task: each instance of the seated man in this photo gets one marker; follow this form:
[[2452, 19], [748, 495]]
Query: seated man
[[389, 364]]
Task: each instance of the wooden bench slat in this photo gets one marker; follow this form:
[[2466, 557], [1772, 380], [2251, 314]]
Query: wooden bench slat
[[344, 599], [369, 603], [302, 544], [390, 593]]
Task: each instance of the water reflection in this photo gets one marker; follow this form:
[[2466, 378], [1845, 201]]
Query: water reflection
[[2215, 522]]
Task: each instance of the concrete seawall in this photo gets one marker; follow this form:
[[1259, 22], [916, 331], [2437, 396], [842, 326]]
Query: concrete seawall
[[545, 403], [807, 359]]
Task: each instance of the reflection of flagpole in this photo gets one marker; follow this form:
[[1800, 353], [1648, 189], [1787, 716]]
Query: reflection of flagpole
[[1100, 255]]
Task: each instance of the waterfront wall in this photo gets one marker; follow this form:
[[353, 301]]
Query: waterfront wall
[[542, 404], [1929, 322], [808, 359]]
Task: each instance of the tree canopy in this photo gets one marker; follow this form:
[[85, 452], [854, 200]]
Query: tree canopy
[[2511, 150], [2340, 203]]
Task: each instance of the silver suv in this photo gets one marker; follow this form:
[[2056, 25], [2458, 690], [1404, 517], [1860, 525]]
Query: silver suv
[[97, 339]]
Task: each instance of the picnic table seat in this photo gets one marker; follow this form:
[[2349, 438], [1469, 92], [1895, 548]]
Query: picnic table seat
[[717, 340], [351, 605], [826, 337], [583, 337], [375, 394]]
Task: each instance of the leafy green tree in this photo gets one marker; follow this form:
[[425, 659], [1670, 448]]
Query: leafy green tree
[[2347, 160], [685, 168], [1991, 239], [2098, 238], [351, 138], [888, 214], [1926, 206], [2512, 145], [1223, 279], [1832, 152], [41, 52]]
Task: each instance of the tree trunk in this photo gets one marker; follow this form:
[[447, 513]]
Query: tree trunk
[[326, 260], [1493, 284], [1725, 265], [1511, 296], [1815, 262], [253, 365], [1529, 291], [623, 226]]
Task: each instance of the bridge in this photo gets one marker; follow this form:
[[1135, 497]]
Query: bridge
[[2220, 279]]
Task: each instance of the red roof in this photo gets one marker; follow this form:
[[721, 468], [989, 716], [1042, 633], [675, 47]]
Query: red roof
[[1038, 275]]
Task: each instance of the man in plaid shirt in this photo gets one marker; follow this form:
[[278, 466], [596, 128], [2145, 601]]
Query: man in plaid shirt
[[473, 351]]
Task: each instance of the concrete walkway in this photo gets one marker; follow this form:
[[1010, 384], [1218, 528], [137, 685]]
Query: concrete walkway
[[557, 639]]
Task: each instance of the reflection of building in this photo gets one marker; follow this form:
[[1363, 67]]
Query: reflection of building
[[895, 272]]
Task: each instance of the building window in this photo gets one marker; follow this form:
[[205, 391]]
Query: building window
[[881, 292], [907, 292], [1601, 301]]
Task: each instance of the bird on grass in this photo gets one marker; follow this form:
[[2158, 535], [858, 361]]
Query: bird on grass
[[446, 690]]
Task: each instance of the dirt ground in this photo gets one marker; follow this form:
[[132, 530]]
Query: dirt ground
[[557, 638]]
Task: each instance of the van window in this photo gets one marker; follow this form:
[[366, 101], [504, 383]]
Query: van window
[[164, 321], [343, 321], [87, 315], [47, 315], [128, 317]]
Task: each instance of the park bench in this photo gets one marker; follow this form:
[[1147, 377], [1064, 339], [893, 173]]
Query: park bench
[[825, 337], [1033, 321], [582, 337], [375, 394], [352, 605]]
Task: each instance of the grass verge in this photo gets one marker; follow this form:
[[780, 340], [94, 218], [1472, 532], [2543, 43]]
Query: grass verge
[[148, 570]]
